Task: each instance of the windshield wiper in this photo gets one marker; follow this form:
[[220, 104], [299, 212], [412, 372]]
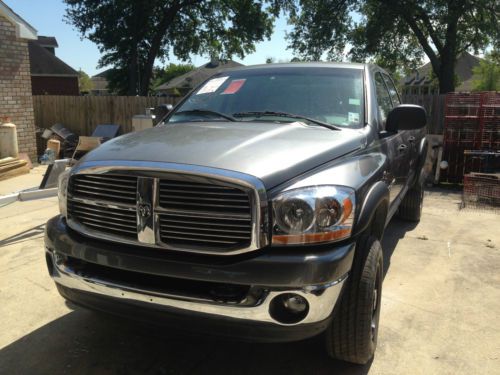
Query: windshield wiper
[[285, 114], [207, 112]]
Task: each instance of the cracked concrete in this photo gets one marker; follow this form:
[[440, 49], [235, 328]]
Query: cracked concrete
[[440, 309]]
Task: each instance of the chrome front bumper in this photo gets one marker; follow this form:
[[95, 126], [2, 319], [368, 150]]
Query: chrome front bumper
[[321, 298]]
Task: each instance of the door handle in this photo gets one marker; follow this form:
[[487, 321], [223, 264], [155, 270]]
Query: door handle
[[402, 148], [411, 139]]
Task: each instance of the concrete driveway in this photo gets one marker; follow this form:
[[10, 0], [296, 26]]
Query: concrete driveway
[[440, 313]]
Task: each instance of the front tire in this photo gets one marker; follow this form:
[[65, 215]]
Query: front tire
[[352, 335]]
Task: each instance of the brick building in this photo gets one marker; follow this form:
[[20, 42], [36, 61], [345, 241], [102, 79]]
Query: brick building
[[15, 80]]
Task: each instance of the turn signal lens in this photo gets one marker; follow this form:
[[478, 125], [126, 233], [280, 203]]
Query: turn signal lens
[[62, 192]]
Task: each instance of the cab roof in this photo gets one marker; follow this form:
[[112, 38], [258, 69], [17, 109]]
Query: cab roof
[[316, 64]]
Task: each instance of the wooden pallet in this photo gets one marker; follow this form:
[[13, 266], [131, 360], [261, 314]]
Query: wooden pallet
[[11, 167]]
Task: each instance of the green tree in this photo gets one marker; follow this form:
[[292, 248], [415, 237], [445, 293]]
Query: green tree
[[395, 33], [171, 71], [84, 82], [133, 34], [487, 74]]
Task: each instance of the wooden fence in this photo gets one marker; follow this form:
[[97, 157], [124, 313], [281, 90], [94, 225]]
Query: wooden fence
[[81, 114], [434, 105]]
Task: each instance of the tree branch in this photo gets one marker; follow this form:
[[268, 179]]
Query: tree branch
[[423, 41], [430, 30]]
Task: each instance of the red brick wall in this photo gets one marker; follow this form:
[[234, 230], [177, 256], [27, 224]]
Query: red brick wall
[[54, 85], [15, 87]]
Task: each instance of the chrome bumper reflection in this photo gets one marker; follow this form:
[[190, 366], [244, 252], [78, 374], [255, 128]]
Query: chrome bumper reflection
[[321, 298]]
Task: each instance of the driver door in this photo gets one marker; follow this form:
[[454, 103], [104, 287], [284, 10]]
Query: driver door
[[396, 144]]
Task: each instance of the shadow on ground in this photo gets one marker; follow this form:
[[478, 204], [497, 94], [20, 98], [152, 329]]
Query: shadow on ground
[[83, 342], [25, 235], [394, 232]]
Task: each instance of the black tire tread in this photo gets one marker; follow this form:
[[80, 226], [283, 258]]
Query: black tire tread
[[410, 208], [346, 338]]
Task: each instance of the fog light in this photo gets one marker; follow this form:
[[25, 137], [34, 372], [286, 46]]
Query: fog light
[[295, 304], [288, 308]]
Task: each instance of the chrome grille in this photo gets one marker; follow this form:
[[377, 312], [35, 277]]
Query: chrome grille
[[204, 214], [106, 204], [167, 206]]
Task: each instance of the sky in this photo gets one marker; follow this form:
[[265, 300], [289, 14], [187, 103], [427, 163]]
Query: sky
[[47, 17]]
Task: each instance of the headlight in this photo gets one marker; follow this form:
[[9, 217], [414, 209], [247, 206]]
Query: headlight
[[62, 192], [313, 215]]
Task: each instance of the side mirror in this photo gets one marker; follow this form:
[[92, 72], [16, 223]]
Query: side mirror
[[406, 117]]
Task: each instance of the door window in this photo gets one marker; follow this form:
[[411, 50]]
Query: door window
[[383, 98], [392, 91]]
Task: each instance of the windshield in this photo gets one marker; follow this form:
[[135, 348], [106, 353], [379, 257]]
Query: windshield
[[314, 95]]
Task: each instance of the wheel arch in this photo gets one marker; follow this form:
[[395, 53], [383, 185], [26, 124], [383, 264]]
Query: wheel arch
[[420, 173], [374, 209]]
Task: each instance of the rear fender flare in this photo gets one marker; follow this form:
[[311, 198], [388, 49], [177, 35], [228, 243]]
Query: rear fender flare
[[420, 174]]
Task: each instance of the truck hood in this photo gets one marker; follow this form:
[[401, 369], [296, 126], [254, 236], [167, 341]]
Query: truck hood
[[272, 152]]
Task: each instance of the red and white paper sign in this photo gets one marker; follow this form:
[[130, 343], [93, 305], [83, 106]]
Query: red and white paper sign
[[234, 86]]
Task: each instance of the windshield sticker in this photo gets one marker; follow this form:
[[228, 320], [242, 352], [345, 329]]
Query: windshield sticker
[[353, 117], [212, 85], [354, 101], [234, 86]]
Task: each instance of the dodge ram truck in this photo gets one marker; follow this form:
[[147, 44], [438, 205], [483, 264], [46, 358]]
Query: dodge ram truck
[[255, 208]]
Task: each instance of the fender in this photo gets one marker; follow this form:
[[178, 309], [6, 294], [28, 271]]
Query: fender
[[377, 196]]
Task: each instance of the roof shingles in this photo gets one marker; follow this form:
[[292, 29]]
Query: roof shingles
[[43, 62]]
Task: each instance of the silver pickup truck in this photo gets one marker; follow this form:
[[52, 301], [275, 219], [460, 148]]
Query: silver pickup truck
[[254, 209]]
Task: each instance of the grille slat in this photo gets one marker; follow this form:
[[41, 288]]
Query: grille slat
[[209, 225], [196, 240], [98, 217], [207, 215], [193, 185], [115, 178], [228, 194], [207, 199], [172, 203], [107, 222], [212, 233], [121, 211], [118, 231], [191, 234], [108, 187]]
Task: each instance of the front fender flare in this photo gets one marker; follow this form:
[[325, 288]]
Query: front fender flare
[[377, 196]]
